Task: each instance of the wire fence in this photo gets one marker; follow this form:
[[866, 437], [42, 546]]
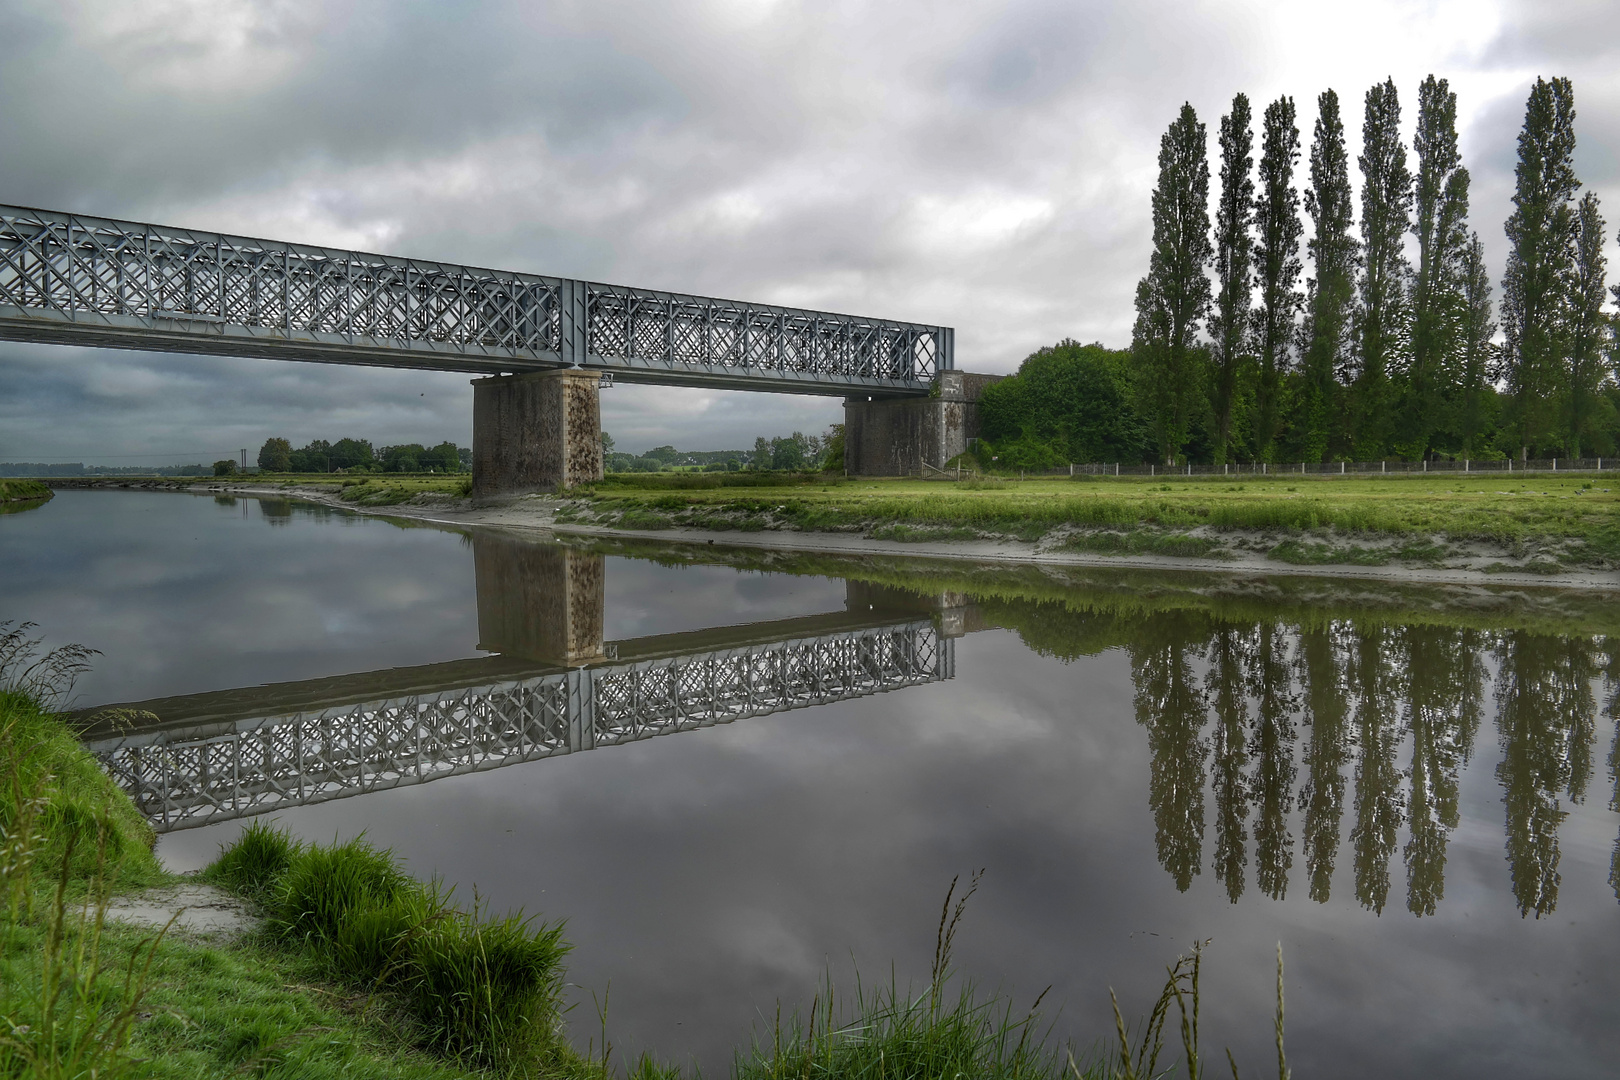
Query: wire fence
[[1302, 468]]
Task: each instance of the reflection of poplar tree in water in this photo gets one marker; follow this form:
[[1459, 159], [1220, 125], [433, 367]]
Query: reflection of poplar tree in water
[[1169, 706], [1325, 755], [1272, 788], [1445, 688], [1224, 685], [1611, 678], [1373, 681], [1545, 721]]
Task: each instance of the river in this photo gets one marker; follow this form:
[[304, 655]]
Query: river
[[1411, 791]]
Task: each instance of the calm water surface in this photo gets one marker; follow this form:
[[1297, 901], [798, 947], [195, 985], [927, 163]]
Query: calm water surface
[[1418, 809]]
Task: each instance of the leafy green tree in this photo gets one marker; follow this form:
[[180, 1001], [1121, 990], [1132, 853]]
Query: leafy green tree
[[1381, 332], [788, 454], [352, 454], [832, 449], [1475, 358], [1588, 327], [314, 456], [1234, 253], [443, 458], [1542, 232], [1438, 300], [405, 458], [1174, 296], [1075, 399], [225, 467], [1277, 267], [761, 457], [664, 455], [1330, 295], [275, 455]]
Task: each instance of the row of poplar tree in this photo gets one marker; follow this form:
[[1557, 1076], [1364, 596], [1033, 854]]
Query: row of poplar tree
[[1374, 356]]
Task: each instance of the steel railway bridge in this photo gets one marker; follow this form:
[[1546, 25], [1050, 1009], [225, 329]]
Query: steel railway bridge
[[543, 344]]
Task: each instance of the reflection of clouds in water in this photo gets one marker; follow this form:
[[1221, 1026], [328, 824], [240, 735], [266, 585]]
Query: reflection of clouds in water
[[710, 875]]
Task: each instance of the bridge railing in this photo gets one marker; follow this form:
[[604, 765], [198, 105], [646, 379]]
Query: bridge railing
[[99, 281]]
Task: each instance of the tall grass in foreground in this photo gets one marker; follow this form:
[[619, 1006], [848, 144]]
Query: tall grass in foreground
[[67, 1012], [480, 990], [935, 1035]]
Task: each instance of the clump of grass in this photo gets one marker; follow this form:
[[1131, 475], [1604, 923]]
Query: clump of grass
[[325, 886], [912, 534], [1143, 542], [478, 989], [643, 519], [485, 990], [890, 1033], [260, 857], [1311, 553]]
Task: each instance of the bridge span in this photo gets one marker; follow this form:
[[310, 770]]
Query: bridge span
[[543, 343]]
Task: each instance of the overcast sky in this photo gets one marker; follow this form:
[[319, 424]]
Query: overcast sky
[[983, 166]]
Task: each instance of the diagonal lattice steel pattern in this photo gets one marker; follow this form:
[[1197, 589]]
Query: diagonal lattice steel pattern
[[183, 780], [71, 279]]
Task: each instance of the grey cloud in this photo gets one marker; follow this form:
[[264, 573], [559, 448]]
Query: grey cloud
[[982, 166]]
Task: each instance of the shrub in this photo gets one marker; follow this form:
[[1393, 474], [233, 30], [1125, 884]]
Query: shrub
[[255, 863], [326, 884], [486, 990]]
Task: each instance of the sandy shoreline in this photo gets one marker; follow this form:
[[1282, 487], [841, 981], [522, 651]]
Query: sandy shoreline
[[537, 514]]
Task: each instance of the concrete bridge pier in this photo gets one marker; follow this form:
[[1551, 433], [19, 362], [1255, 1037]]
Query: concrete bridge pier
[[540, 431], [905, 436]]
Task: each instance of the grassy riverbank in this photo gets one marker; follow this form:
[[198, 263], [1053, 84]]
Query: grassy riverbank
[[24, 494], [1539, 520]]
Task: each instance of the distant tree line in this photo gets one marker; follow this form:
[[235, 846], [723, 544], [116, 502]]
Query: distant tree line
[[358, 455], [795, 452], [1389, 350], [78, 468]]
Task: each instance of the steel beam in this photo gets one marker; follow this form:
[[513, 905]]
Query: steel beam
[[73, 279]]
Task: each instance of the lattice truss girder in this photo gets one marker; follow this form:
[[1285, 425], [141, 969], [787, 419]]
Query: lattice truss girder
[[98, 275], [182, 782]]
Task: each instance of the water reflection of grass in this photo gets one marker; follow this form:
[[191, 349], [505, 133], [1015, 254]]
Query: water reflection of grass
[[1021, 594]]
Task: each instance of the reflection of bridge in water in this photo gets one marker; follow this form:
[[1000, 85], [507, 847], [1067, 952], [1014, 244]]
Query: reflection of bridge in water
[[556, 688]]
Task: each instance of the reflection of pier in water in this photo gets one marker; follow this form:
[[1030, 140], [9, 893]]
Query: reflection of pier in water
[[556, 688]]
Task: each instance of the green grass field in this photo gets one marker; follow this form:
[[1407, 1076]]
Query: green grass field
[[1579, 512]]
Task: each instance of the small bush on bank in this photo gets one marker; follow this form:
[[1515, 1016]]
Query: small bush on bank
[[258, 859], [478, 989]]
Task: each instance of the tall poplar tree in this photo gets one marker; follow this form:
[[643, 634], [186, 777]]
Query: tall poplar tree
[[1174, 296], [1588, 326], [1542, 234], [1441, 226], [1234, 251], [1277, 267], [1331, 293], [1474, 364], [1381, 332]]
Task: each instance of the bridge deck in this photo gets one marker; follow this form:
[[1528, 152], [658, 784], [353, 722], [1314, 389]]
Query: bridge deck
[[72, 279]]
